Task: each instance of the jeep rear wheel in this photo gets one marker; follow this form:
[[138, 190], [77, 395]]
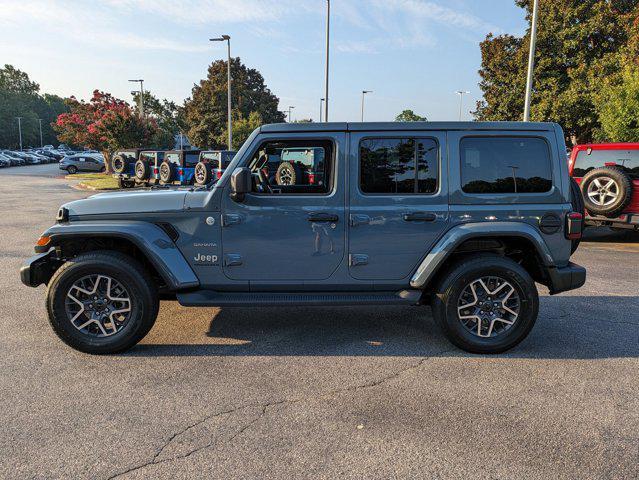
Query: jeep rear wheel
[[607, 191], [119, 163], [486, 304], [203, 173], [166, 172], [102, 302], [142, 171], [286, 174]]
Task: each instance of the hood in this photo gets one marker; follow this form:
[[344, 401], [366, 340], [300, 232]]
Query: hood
[[128, 202]]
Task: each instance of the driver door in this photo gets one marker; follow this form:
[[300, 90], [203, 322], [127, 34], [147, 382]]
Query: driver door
[[287, 230]]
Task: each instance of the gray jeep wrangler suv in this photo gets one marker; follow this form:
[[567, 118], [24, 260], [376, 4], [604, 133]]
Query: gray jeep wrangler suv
[[464, 217]]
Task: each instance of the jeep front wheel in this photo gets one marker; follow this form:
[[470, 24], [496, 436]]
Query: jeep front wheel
[[486, 304], [102, 302]]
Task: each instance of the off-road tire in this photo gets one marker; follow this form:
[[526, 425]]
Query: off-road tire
[[623, 185], [124, 183], [577, 200], [119, 164], [72, 170], [449, 288], [287, 174], [166, 172], [125, 270], [142, 170], [203, 173]]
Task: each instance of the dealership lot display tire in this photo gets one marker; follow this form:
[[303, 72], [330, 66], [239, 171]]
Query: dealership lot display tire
[[485, 304], [166, 172], [124, 183], [606, 191], [286, 174], [102, 302], [120, 163], [142, 170], [203, 173]]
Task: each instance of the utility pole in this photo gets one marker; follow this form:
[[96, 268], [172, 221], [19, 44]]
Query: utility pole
[[290, 120], [20, 130], [40, 122], [321, 106], [227, 39], [531, 61], [141, 106], [328, 30], [461, 94], [364, 92]]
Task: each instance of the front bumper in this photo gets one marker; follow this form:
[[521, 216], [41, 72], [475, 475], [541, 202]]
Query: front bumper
[[40, 268], [562, 279]]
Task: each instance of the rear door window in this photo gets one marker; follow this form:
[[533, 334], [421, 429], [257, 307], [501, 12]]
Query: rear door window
[[491, 165], [588, 160]]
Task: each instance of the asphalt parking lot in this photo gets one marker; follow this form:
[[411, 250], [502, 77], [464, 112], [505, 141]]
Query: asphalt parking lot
[[317, 393]]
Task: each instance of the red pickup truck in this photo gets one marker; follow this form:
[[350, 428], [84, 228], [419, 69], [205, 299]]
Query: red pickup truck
[[608, 176]]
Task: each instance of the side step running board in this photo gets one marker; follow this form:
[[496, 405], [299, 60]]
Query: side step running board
[[211, 298]]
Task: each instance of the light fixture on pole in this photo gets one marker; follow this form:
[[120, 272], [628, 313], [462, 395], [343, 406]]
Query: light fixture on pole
[[531, 61], [290, 120], [461, 94], [20, 130], [40, 123], [141, 82], [364, 92], [328, 30], [321, 107], [227, 39]]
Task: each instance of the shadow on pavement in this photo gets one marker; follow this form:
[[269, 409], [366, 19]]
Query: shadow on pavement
[[569, 327], [604, 234]]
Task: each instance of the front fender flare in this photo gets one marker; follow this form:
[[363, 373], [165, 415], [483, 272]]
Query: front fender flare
[[459, 234], [152, 241]]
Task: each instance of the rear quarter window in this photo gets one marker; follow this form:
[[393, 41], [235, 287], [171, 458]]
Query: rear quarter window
[[492, 165]]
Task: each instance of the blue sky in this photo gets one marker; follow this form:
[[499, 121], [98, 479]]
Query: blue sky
[[412, 53]]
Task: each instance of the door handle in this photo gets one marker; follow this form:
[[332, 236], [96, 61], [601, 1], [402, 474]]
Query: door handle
[[419, 217], [322, 217]]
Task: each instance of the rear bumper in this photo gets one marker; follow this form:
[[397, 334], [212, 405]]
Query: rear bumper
[[625, 220], [39, 269], [563, 279]]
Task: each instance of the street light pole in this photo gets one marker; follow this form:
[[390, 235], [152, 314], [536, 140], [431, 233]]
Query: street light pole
[[141, 82], [321, 103], [328, 30], [40, 122], [461, 94], [229, 113], [531, 61], [364, 92], [20, 130], [290, 107]]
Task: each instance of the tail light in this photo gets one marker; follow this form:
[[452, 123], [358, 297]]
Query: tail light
[[155, 171], [219, 173], [610, 164], [574, 225], [180, 172], [311, 178]]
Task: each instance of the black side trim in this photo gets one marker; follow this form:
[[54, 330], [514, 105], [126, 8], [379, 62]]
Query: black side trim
[[39, 269], [169, 230], [566, 278]]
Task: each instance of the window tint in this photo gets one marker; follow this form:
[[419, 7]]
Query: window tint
[[293, 167], [505, 165], [398, 165], [626, 159], [191, 159]]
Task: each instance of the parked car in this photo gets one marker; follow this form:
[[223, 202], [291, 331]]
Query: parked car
[[29, 159], [15, 159], [608, 175], [178, 166], [4, 161], [464, 217], [123, 166], [81, 163], [211, 165], [147, 167]]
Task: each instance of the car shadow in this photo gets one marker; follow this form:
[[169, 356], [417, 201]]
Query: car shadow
[[569, 327], [607, 235]]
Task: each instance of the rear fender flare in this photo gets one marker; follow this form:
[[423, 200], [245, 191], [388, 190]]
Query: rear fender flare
[[454, 237]]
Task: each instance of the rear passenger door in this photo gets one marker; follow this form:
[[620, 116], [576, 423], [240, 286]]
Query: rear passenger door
[[398, 202]]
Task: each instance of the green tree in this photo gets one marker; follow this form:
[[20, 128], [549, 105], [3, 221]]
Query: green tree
[[168, 116], [409, 116], [619, 109], [242, 128], [205, 113], [17, 81], [579, 43]]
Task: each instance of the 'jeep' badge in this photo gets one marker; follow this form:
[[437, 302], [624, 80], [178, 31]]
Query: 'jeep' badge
[[205, 259]]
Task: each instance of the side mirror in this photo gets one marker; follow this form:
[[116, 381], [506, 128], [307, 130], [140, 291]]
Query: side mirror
[[241, 183]]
